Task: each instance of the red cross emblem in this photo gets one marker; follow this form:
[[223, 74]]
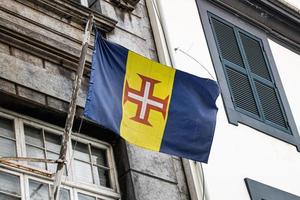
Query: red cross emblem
[[145, 100]]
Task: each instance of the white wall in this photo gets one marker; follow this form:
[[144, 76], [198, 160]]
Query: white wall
[[288, 66], [295, 3], [238, 151]]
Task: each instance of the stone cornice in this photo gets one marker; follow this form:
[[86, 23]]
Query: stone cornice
[[75, 12], [60, 54], [54, 50], [277, 19], [284, 8]]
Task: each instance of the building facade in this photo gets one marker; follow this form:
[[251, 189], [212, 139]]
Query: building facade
[[252, 49], [40, 44]]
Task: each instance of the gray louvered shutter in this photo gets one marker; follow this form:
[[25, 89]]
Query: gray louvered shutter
[[227, 42], [238, 82], [266, 91], [255, 57], [241, 91], [248, 76], [270, 104]]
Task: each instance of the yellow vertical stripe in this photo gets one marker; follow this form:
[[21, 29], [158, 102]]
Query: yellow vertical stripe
[[138, 69]]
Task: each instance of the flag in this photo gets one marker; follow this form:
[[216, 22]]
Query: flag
[[151, 105]]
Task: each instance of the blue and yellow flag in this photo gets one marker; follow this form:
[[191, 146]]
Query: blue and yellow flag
[[151, 105]]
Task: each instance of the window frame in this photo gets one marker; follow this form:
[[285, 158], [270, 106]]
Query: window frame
[[48, 182], [249, 74], [85, 3], [113, 192], [206, 10], [21, 178], [44, 130], [259, 191], [109, 155]]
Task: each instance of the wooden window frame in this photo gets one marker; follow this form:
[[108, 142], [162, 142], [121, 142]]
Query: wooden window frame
[[21, 178], [19, 120]]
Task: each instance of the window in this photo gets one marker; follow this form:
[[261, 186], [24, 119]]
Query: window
[[42, 144], [82, 196], [41, 190], [7, 138], [250, 81], [250, 85], [10, 188], [91, 174], [85, 197], [259, 191], [92, 4], [93, 161]]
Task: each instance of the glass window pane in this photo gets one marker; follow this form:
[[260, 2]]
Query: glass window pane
[[10, 183], [6, 197], [53, 142], [38, 190], [33, 136], [83, 171], [81, 151], [64, 194], [99, 156], [7, 128], [33, 152], [101, 176], [85, 197], [51, 155], [7, 148], [94, 5], [52, 166]]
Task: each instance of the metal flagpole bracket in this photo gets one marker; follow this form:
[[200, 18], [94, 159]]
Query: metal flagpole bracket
[[72, 110]]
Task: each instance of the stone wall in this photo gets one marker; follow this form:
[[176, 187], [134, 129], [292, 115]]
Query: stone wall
[[40, 42]]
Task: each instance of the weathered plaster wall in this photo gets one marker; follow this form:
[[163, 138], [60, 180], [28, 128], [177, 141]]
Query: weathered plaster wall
[[39, 49]]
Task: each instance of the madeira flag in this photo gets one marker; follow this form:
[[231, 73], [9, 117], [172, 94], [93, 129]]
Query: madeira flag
[[151, 105]]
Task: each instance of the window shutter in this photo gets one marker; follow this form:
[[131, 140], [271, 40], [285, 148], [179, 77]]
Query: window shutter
[[255, 58], [238, 82], [249, 79], [227, 42], [270, 104], [269, 101], [241, 91]]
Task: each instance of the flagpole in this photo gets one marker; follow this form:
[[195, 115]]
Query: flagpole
[[72, 109]]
